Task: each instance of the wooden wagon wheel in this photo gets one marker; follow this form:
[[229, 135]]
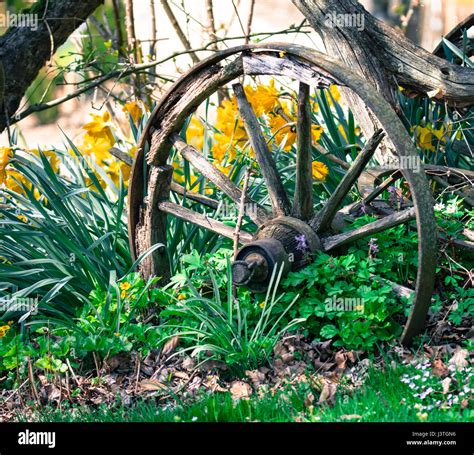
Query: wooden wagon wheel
[[150, 182]]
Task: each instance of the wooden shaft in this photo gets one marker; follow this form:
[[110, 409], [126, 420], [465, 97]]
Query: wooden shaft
[[280, 203], [322, 220], [203, 221], [222, 181], [303, 203], [369, 229]]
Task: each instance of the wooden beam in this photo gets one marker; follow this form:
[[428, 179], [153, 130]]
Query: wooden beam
[[202, 221], [303, 203], [280, 203], [383, 224]]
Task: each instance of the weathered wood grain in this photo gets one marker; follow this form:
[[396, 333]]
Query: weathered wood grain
[[193, 196], [255, 64], [259, 215], [280, 203], [152, 227], [303, 202], [387, 222], [322, 220], [203, 221]]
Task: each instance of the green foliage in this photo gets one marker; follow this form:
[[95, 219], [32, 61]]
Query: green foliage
[[331, 294], [223, 329], [61, 238], [381, 398]]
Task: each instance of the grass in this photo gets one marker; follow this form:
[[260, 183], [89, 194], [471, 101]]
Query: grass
[[382, 398]]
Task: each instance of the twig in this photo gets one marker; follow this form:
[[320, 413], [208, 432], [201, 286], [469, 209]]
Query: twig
[[240, 217], [138, 372], [72, 373], [211, 24], [250, 20], [122, 73], [154, 32], [32, 382], [133, 46], [16, 391], [131, 36], [118, 25], [179, 31], [122, 156]]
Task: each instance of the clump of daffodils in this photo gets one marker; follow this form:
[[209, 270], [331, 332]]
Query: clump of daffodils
[[230, 140]]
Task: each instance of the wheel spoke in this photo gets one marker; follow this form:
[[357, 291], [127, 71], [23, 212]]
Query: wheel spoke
[[398, 289], [257, 213], [202, 220], [303, 203], [280, 203], [369, 229], [377, 191], [322, 220], [193, 196]]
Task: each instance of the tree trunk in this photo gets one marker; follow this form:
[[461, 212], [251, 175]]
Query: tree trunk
[[384, 57], [24, 51]]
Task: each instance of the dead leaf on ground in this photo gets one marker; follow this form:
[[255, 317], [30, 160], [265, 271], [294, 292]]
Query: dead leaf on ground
[[340, 359], [439, 368], [446, 382], [256, 377], [309, 400], [240, 389], [170, 345], [459, 359], [327, 393], [152, 385]]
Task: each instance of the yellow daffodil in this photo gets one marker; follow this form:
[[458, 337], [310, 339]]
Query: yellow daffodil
[[5, 155], [281, 129], [224, 169], [319, 171], [336, 96], [316, 133], [15, 180], [195, 133], [134, 110], [98, 130], [264, 98], [3, 330], [51, 157], [425, 138]]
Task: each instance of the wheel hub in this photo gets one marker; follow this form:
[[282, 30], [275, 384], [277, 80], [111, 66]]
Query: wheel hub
[[284, 242]]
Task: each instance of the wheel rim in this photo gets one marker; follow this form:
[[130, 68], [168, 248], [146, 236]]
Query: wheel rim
[[160, 129]]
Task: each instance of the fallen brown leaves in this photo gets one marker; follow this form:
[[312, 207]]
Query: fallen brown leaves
[[161, 376]]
